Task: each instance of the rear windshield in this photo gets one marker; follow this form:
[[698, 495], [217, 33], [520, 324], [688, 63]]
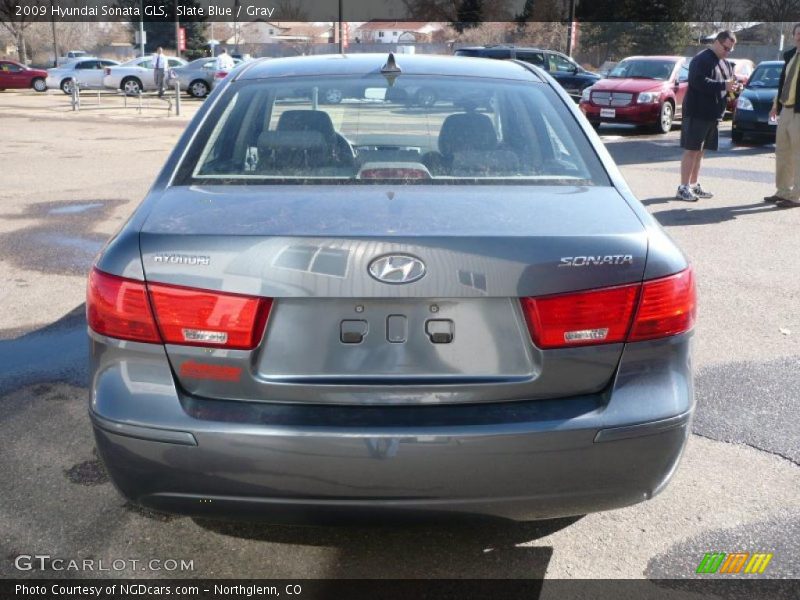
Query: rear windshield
[[364, 130]]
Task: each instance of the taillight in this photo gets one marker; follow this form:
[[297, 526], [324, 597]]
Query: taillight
[[203, 318], [157, 313], [668, 306], [653, 309], [221, 75], [594, 317], [119, 308]]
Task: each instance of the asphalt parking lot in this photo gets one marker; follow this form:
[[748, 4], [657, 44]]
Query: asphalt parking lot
[[76, 176]]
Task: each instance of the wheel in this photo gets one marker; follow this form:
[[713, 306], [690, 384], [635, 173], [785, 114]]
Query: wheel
[[425, 97], [39, 85], [132, 86], [595, 124], [198, 89], [332, 96], [737, 137], [66, 86], [665, 118]]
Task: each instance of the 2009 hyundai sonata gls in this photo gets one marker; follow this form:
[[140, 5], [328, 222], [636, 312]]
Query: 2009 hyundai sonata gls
[[379, 306]]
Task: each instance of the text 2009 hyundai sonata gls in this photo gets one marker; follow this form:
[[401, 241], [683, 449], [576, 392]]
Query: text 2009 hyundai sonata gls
[[370, 306]]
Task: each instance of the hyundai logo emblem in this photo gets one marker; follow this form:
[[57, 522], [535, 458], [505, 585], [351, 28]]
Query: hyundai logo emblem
[[397, 268]]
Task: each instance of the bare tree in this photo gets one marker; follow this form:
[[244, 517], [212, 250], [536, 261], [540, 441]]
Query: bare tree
[[773, 10], [15, 25]]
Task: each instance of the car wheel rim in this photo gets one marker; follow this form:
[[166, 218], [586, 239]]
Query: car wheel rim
[[333, 96], [131, 87], [198, 90], [39, 85], [67, 87], [666, 117]]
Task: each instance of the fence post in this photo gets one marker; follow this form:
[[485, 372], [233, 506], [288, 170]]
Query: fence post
[[76, 96], [177, 98]]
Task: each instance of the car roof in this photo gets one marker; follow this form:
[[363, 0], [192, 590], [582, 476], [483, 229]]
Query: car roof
[[770, 63], [506, 47], [658, 57], [360, 64]]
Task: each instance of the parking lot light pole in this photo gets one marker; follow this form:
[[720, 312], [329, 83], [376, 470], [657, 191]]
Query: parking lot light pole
[[571, 30]]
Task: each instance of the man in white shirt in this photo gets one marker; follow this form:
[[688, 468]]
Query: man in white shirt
[[224, 61], [159, 69]]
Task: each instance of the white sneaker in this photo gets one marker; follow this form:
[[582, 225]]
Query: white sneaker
[[700, 192], [685, 193]]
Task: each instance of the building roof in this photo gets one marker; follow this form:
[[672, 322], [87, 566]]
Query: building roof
[[415, 26]]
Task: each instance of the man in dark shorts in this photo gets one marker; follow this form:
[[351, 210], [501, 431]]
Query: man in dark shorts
[[710, 81]]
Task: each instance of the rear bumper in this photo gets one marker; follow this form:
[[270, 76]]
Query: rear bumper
[[518, 460]]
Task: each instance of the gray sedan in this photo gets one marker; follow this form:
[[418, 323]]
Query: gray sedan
[[371, 308], [197, 78]]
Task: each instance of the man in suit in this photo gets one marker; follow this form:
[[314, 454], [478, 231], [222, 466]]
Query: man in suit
[[787, 139], [159, 67]]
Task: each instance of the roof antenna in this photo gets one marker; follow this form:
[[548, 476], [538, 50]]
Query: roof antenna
[[390, 70], [391, 65]]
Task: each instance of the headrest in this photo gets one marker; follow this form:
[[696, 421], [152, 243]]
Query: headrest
[[291, 140], [306, 120], [467, 131]]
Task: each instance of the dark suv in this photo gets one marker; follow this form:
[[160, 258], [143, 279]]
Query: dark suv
[[569, 74]]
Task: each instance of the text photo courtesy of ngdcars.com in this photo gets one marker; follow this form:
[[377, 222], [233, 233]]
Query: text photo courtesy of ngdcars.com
[[398, 302]]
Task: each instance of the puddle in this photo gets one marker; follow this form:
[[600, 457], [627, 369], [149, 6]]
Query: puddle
[[56, 353], [90, 472], [74, 209], [150, 514], [62, 240]]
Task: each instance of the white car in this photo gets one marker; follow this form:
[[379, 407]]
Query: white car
[[88, 72], [136, 75]]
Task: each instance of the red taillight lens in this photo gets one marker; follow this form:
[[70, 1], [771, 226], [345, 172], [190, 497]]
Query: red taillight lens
[[221, 75], [662, 307], [594, 317], [119, 308], [203, 318], [668, 307]]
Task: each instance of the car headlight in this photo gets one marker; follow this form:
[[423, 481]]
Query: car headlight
[[648, 97], [743, 103], [586, 94]]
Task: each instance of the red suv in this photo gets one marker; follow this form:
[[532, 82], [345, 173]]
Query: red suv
[[640, 90]]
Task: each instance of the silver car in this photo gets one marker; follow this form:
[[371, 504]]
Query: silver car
[[375, 308], [88, 72], [197, 78], [137, 75]]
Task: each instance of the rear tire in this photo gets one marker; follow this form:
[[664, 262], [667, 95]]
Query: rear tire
[[737, 137], [131, 86], [425, 97], [198, 89], [332, 96], [39, 85]]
